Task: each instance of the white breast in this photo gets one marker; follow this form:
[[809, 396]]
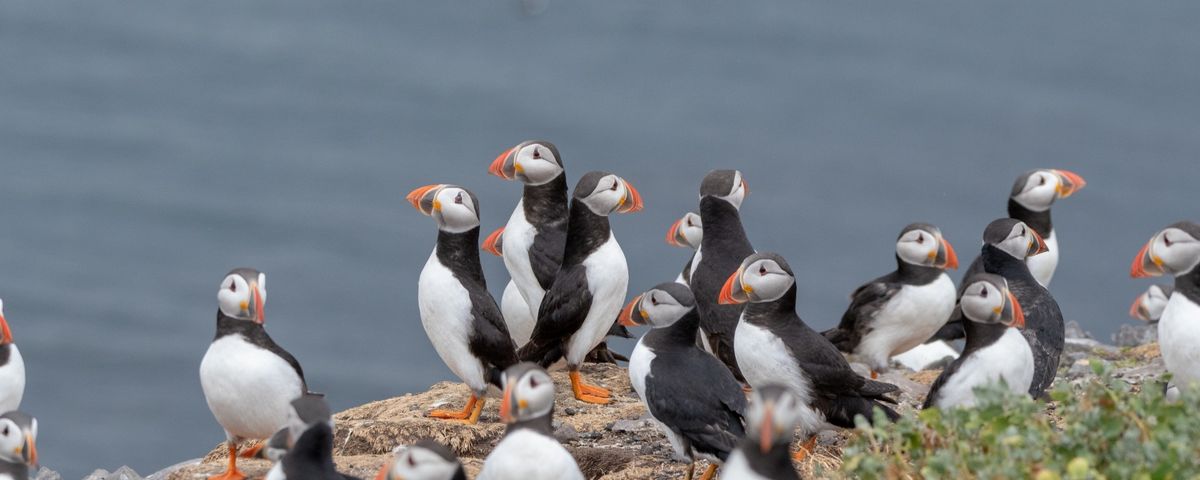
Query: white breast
[[608, 279], [764, 359], [925, 354], [248, 389], [276, 472], [446, 315], [1179, 337], [12, 381], [516, 314], [1008, 359], [910, 317], [639, 372], [1042, 265], [518, 237], [738, 468], [527, 455]]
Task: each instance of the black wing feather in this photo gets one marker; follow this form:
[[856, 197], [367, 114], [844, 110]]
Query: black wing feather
[[866, 302], [708, 387], [562, 311], [490, 340]]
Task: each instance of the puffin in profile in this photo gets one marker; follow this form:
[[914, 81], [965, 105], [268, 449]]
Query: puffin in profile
[[690, 394], [894, 313], [764, 453], [725, 245], [1032, 195], [995, 351], [18, 445], [424, 460], [687, 232], [12, 368], [1148, 307], [774, 346], [1176, 251], [460, 316], [311, 455], [248, 379], [586, 296], [529, 450]]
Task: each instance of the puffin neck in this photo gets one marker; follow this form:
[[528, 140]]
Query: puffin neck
[[586, 232], [1189, 284], [980, 335], [460, 253], [543, 424], [1038, 221], [782, 305], [776, 463], [227, 325], [999, 262], [722, 224], [916, 274], [546, 203], [683, 331]]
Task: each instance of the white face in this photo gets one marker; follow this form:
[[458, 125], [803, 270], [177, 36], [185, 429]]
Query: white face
[[660, 309], [611, 194], [918, 247], [1021, 242], [692, 229], [765, 281], [534, 164], [532, 395], [1177, 252], [416, 463], [1040, 191], [14, 445], [237, 299], [454, 210], [1149, 306], [984, 302]]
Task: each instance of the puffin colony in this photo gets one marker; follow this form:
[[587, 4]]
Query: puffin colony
[[728, 370]]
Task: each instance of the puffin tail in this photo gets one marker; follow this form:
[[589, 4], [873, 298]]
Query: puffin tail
[[541, 353], [843, 409]]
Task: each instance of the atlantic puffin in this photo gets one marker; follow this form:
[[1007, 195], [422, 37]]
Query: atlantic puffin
[[308, 409], [424, 460], [311, 455], [12, 368], [1032, 195], [1148, 307], [687, 232], [529, 450], [724, 246], [763, 454], [690, 394], [894, 313], [248, 379], [774, 346], [995, 353], [18, 445], [458, 313], [1176, 251], [582, 304]]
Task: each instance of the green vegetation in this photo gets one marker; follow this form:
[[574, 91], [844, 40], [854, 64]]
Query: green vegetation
[[1103, 428]]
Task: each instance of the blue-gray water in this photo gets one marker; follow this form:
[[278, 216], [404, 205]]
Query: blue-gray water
[[148, 147]]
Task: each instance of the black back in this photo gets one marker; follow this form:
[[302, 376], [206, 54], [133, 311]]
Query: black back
[[979, 336], [724, 247], [489, 339], [5, 353], [776, 464], [1044, 327], [254, 333], [311, 458], [868, 299], [1187, 285], [546, 208]]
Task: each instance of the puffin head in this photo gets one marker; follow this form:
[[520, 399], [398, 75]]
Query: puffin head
[[1014, 237], [424, 460], [763, 277], [18, 438], [243, 295], [687, 232], [922, 244], [307, 410], [986, 299], [5, 334], [772, 416], [604, 193], [727, 185], [1149, 306], [1036, 190], [659, 307], [533, 162], [1175, 250], [528, 393], [454, 208]]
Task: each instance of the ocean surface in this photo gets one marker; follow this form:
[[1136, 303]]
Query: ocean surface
[[146, 148]]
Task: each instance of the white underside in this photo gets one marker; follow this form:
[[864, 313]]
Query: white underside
[[248, 388], [12, 381], [608, 279], [518, 237], [1042, 265], [516, 314], [764, 360], [925, 354], [276, 472], [446, 315], [908, 319], [1008, 359], [1179, 337], [527, 455], [737, 468]]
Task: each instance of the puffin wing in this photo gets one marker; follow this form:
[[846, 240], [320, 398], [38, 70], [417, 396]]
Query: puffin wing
[[562, 311], [825, 366], [490, 340], [706, 406], [546, 254], [865, 303], [259, 336], [942, 378]]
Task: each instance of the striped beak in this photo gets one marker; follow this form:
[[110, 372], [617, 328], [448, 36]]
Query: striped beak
[[1038, 245], [734, 292], [1068, 183], [632, 315], [494, 243], [504, 166], [7, 334], [1146, 264], [1138, 309], [675, 236], [424, 199], [1012, 315], [945, 257], [632, 201]]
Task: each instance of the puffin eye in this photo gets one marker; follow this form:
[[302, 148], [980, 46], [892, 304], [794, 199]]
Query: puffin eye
[[1042, 180], [984, 292], [920, 238], [762, 269], [458, 198], [411, 462], [537, 153], [1022, 231], [653, 300], [533, 383], [614, 187], [1166, 240], [232, 286], [6, 430]]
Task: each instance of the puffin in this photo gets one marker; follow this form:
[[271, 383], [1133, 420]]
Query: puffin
[[995, 352], [248, 380], [1148, 307], [774, 346], [529, 450], [687, 232], [1033, 193], [724, 246], [12, 368], [306, 410], [18, 445], [770, 421], [424, 460], [588, 290], [1175, 251], [894, 313], [458, 313], [690, 394], [311, 455]]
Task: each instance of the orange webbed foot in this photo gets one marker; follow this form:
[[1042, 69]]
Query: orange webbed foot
[[588, 393], [464, 415]]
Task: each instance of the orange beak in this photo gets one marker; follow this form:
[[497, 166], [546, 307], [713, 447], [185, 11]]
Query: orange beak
[[949, 258], [1138, 309], [1145, 264], [7, 338], [1039, 245], [259, 316], [1069, 183], [764, 433], [1018, 319], [745, 188], [626, 317], [733, 293], [385, 471], [502, 166], [632, 201], [422, 198], [493, 243], [675, 236], [506, 404]]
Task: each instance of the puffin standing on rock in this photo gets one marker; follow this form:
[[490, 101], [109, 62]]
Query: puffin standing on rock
[[764, 454], [248, 380], [898, 311], [459, 315], [689, 393], [586, 296], [529, 450], [1176, 251], [18, 445], [687, 232], [12, 368], [774, 346], [424, 460]]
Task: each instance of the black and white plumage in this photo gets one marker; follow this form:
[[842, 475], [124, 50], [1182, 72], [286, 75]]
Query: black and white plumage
[[529, 450], [18, 445], [12, 368], [774, 346], [306, 410], [1176, 251], [764, 454], [995, 351], [687, 232], [724, 246], [311, 454], [582, 304], [424, 460], [248, 379], [896, 312], [1148, 307], [689, 393], [458, 313]]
